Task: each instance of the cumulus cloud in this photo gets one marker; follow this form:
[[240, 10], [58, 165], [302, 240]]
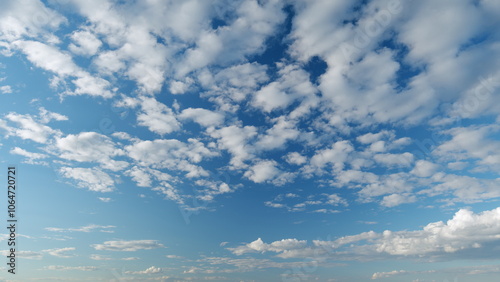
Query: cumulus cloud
[[28, 127], [90, 147], [68, 268], [151, 270], [466, 232], [93, 179], [157, 117], [128, 246]]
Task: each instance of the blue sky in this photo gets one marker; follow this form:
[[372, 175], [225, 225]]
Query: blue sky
[[275, 140]]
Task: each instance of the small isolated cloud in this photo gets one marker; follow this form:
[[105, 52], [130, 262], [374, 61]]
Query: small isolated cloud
[[130, 258], [176, 257], [378, 275], [61, 252], [128, 246], [99, 257], [66, 268], [87, 228], [6, 89], [104, 200], [151, 270]]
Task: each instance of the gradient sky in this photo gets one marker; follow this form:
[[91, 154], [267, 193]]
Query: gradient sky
[[245, 140]]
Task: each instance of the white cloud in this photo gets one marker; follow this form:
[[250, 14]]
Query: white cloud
[[179, 257], [99, 257], [30, 155], [472, 143], [236, 140], [263, 171], [84, 43], [424, 168], [29, 128], [52, 59], [276, 137], [172, 154], [336, 156], [157, 117], [105, 200], [29, 18], [277, 246], [92, 178], [293, 84], [47, 116], [66, 268], [404, 159], [295, 158], [465, 188], [61, 252], [128, 246], [87, 228], [5, 89], [150, 270], [379, 275], [466, 232], [203, 117], [397, 199]]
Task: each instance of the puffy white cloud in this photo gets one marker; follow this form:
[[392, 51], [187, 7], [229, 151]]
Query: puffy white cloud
[[293, 84], [397, 199], [99, 257], [268, 171], [157, 117], [336, 156], [236, 140], [52, 59], [28, 128], [424, 168], [404, 159], [150, 270], [93, 179], [466, 231], [88, 147], [84, 43], [379, 275], [172, 154], [276, 137], [472, 143], [24, 254], [30, 155], [5, 89], [465, 188], [27, 18], [295, 158], [277, 246], [128, 246], [244, 35], [203, 117]]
